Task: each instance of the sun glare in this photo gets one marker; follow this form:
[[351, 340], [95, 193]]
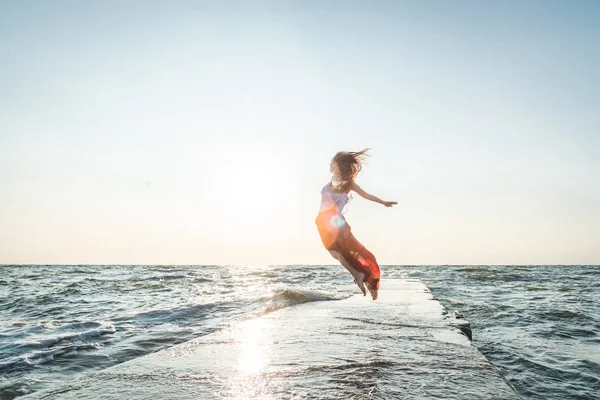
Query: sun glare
[[249, 186]]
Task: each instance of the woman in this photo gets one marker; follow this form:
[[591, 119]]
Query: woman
[[333, 227]]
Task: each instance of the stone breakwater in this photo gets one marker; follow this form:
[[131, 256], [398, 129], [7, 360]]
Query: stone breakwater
[[404, 345]]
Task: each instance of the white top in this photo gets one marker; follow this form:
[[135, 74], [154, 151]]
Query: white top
[[330, 199]]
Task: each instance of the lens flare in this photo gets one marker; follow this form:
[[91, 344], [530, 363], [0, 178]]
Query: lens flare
[[337, 221]]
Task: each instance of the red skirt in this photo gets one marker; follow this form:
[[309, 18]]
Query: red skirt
[[337, 235]]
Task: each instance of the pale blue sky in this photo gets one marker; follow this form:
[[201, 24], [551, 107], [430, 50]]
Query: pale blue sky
[[201, 132]]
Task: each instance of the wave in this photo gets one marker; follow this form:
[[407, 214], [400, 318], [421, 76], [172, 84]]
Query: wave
[[75, 332], [163, 278], [294, 296], [557, 314], [183, 315], [43, 347], [199, 313], [44, 356], [89, 330]]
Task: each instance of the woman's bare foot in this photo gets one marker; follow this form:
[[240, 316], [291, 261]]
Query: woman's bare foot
[[372, 290], [359, 280]]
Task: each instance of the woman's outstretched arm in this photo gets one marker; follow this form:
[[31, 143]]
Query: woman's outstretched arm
[[369, 196]]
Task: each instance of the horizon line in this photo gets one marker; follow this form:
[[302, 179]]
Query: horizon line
[[306, 265]]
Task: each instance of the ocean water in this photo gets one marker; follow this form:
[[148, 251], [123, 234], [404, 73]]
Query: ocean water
[[539, 325]]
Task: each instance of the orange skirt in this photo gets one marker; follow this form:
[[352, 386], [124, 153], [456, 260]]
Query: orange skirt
[[337, 235]]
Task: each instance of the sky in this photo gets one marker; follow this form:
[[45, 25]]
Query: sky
[[191, 132]]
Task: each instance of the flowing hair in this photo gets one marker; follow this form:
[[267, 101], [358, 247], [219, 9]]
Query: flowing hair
[[349, 163]]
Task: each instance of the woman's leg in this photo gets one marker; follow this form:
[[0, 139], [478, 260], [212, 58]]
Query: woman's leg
[[359, 277], [367, 260]]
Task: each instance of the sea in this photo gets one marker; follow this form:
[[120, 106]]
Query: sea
[[539, 325]]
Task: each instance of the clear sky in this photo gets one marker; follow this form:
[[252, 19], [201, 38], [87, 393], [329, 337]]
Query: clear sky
[[201, 132]]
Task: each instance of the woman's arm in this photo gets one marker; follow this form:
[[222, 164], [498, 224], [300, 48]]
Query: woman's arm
[[369, 196]]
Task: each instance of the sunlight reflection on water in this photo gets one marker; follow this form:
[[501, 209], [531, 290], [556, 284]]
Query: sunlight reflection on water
[[255, 336]]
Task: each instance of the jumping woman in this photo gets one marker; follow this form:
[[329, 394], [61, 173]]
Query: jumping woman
[[333, 227]]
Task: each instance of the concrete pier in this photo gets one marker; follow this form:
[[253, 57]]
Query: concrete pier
[[402, 346]]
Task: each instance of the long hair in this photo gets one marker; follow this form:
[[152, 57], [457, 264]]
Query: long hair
[[350, 163]]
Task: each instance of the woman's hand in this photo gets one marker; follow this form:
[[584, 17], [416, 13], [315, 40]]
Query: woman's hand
[[389, 203]]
